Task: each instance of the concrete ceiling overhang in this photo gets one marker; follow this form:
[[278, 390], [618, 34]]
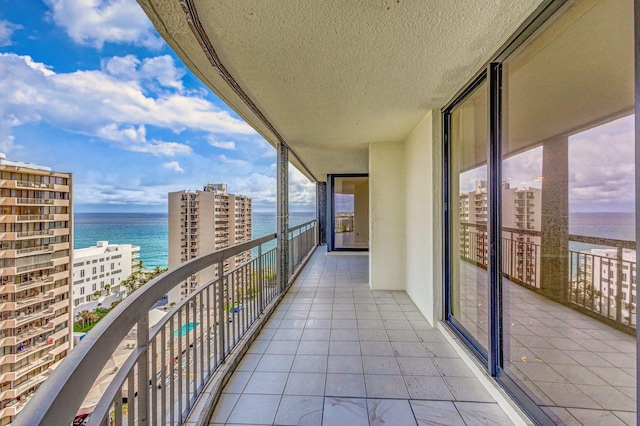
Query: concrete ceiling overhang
[[330, 77]]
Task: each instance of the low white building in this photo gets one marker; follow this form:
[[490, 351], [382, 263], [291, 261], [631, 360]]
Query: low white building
[[101, 268]]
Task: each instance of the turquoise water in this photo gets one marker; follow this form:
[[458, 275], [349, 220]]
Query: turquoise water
[[147, 230], [150, 231], [184, 330]]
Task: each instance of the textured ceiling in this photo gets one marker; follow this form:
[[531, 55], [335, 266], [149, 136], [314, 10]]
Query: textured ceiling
[[334, 76]]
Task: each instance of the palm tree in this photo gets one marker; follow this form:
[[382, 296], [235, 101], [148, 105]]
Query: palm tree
[[93, 317], [84, 316]]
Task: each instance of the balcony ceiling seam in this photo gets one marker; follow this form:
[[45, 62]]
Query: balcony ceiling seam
[[193, 20]]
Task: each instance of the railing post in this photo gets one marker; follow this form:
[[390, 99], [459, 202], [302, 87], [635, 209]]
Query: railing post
[[221, 302], [260, 278], [619, 301], [321, 215], [283, 216], [143, 370]]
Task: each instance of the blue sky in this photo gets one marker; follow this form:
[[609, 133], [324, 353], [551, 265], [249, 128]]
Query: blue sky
[[89, 87]]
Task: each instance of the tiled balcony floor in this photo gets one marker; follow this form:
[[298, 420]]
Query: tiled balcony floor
[[581, 371], [337, 353]]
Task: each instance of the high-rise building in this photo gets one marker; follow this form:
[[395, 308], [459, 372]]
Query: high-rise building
[[204, 221], [98, 272], [521, 220], [35, 279]]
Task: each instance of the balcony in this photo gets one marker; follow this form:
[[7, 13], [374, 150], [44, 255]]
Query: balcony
[[36, 250], [33, 234], [36, 185], [33, 201], [331, 349], [35, 218], [569, 359], [573, 351], [336, 352]]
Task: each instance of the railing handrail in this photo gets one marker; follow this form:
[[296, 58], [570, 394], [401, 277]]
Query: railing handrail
[[302, 225], [602, 241], [611, 242], [76, 374]]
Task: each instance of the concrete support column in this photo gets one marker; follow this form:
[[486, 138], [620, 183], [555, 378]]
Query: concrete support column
[[554, 280], [321, 214], [282, 180]]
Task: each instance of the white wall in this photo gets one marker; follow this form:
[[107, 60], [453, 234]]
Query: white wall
[[404, 234], [387, 216], [419, 235], [361, 212]]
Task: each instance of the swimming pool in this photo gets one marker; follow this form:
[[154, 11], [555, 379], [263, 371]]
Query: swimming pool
[[186, 328]]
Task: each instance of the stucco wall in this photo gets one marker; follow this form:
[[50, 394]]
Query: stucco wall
[[361, 212], [404, 191], [419, 217], [387, 214]]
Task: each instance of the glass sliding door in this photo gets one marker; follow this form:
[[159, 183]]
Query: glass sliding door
[[350, 212], [551, 216], [467, 198], [568, 213]]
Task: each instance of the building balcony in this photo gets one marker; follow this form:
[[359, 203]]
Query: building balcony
[[27, 351], [34, 185], [32, 234], [336, 352], [41, 297], [30, 201], [35, 250], [34, 218], [22, 388], [17, 374], [329, 349], [570, 360], [34, 267]]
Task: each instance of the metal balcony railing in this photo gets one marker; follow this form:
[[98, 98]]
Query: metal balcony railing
[[601, 285], [173, 361]]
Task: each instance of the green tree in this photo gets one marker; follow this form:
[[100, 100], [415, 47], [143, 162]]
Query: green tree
[[84, 317]]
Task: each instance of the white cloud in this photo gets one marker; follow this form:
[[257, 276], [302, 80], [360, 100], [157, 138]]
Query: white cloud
[[155, 73], [602, 167], [6, 31], [224, 159], [302, 192], [221, 144], [134, 139], [94, 22], [174, 166], [110, 103]]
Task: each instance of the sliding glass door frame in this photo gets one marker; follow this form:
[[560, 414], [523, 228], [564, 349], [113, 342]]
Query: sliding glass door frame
[[472, 344], [493, 360], [331, 222]]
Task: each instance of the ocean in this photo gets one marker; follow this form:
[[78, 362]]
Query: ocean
[[617, 226], [150, 231]]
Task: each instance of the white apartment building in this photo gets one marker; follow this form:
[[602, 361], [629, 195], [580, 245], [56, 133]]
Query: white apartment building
[[35, 279], [101, 269], [203, 221], [605, 271], [521, 220]]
